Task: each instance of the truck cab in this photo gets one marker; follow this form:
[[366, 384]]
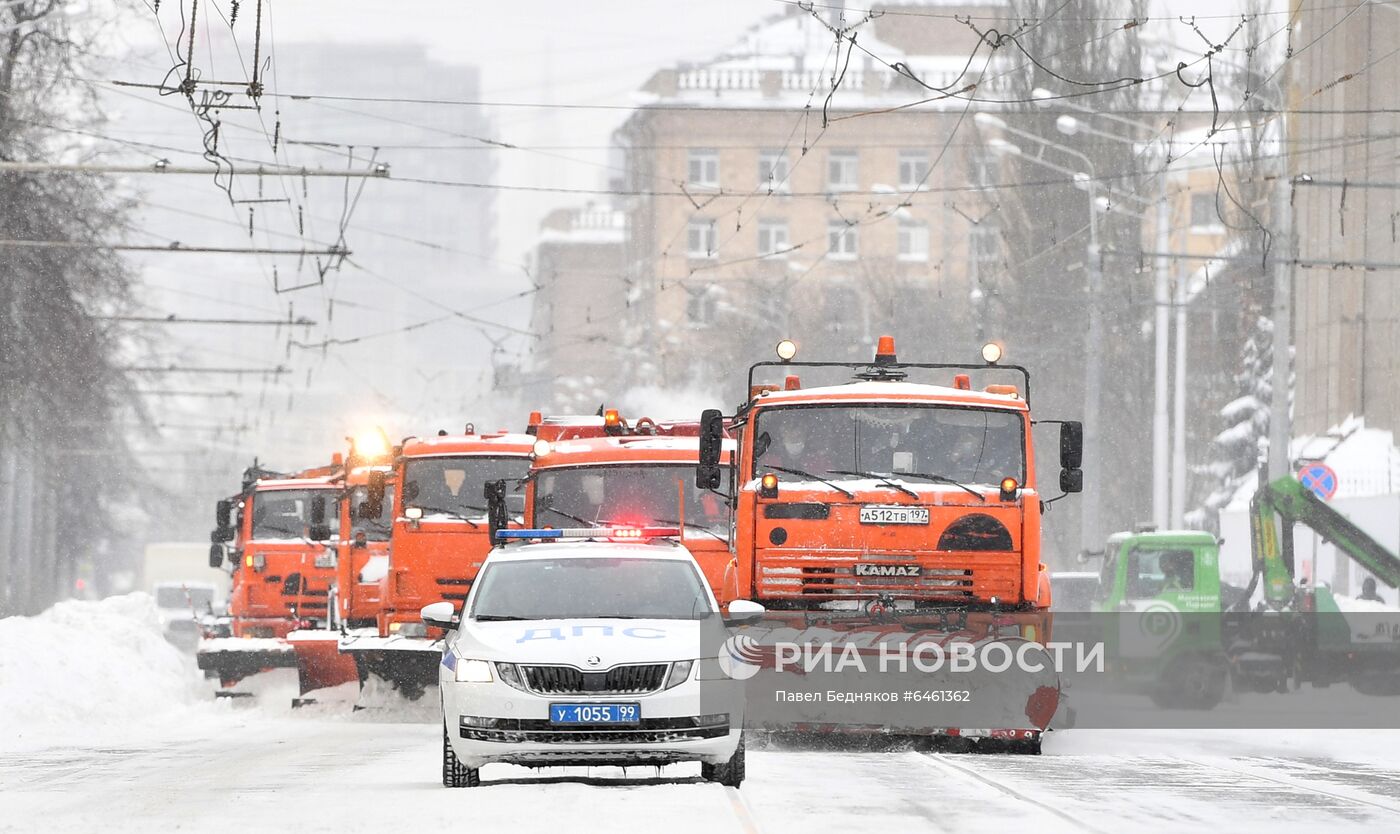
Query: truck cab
[[639, 481], [884, 490], [1176, 568]]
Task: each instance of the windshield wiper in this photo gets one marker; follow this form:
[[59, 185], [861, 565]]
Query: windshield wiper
[[884, 480], [275, 529], [799, 473], [497, 618], [943, 479], [454, 513], [699, 527]]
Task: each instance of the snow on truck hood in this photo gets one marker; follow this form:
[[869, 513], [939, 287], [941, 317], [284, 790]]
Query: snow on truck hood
[[571, 641]]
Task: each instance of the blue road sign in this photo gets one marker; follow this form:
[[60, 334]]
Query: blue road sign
[[1320, 479]]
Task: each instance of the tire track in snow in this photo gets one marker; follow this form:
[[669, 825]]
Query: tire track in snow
[[942, 762], [1293, 784]]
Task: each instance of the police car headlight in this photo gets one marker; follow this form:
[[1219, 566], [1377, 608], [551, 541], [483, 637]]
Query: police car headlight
[[510, 674], [680, 673], [473, 671]]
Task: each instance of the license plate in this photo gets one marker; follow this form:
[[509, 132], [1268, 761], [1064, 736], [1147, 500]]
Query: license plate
[[894, 515], [889, 570], [594, 714]]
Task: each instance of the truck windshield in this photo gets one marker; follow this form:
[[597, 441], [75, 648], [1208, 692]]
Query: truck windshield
[[547, 589], [375, 529], [286, 513], [967, 445], [649, 494], [455, 487]]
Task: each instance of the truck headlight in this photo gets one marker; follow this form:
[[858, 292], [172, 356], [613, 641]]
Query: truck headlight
[[473, 671], [680, 673]]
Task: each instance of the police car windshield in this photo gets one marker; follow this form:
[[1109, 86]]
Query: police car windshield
[[640, 495], [582, 588], [966, 445]]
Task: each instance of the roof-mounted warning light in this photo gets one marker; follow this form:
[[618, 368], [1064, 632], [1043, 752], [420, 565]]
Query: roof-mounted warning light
[[884, 351], [787, 349], [991, 353], [533, 425], [962, 382], [792, 383], [593, 533], [613, 422]]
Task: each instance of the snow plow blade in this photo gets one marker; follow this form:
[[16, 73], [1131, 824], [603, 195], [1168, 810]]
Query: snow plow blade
[[231, 659], [319, 661], [903, 679], [409, 664]]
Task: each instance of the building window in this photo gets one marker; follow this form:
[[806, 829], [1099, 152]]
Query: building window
[[700, 239], [773, 171], [842, 173], [700, 306], [842, 241], [703, 169], [913, 169], [913, 240], [773, 238], [982, 168], [984, 249], [1203, 211]]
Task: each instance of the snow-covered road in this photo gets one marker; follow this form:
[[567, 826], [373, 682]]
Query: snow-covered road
[[251, 771]]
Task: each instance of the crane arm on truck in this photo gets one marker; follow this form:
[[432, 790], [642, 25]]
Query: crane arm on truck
[[1289, 500]]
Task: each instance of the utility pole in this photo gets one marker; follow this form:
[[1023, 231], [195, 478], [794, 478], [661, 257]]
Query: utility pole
[[1161, 295], [1284, 255]]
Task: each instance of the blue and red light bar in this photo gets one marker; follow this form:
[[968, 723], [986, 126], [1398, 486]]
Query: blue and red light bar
[[610, 533]]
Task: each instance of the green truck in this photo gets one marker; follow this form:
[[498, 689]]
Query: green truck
[[1169, 583]]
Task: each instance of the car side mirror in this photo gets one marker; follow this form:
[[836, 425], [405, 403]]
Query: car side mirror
[[744, 611], [707, 473], [439, 615], [216, 556], [319, 531], [1071, 480]]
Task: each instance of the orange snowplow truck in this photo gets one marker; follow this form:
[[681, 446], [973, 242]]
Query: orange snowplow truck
[[362, 548], [889, 500], [639, 475], [434, 494], [270, 535]]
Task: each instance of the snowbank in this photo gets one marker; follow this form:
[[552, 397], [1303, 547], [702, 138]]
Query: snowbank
[[83, 666]]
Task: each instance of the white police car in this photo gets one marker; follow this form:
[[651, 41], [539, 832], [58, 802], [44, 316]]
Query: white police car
[[587, 650]]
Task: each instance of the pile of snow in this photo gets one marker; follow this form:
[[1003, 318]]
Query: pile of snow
[[84, 665]]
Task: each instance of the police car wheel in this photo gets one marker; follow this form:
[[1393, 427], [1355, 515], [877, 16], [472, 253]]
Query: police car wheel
[[731, 773], [454, 773]]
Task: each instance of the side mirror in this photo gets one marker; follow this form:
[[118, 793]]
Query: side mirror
[[744, 611], [319, 531], [497, 518], [1071, 480], [707, 474], [223, 522], [1071, 445], [216, 556], [373, 505], [439, 615]]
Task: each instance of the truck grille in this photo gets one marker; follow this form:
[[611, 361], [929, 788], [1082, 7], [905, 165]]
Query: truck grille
[[566, 680], [979, 577]]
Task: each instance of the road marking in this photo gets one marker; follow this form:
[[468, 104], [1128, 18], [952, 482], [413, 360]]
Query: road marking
[[943, 762], [741, 811]]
